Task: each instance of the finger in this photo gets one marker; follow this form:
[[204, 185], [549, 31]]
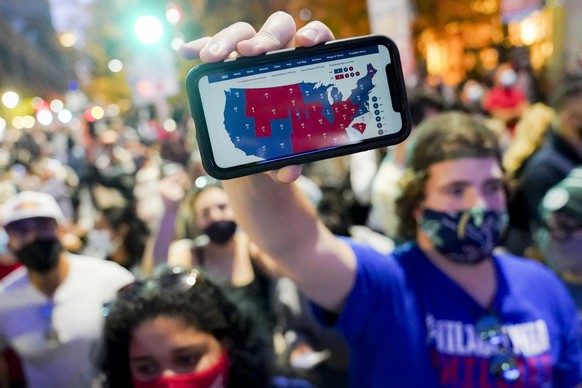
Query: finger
[[286, 174], [221, 45], [191, 50], [313, 33], [277, 32]]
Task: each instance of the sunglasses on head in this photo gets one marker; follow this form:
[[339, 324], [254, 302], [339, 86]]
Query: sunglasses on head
[[502, 364], [170, 279]]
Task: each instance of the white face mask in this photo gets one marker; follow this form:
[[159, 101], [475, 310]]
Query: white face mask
[[474, 93], [508, 78], [561, 255], [99, 244]]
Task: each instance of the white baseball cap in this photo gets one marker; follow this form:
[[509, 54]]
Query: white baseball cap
[[31, 204]]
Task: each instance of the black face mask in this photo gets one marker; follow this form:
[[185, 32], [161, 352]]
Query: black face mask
[[220, 232], [40, 255]]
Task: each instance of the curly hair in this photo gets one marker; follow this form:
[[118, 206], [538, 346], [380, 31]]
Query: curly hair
[[447, 136], [205, 307]]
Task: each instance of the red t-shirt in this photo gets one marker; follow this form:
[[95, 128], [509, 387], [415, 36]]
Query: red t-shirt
[[503, 98]]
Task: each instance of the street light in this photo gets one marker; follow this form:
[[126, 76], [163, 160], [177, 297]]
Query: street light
[[148, 29]]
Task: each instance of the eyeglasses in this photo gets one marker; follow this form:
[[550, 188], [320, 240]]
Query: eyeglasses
[[169, 279], [502, 364]]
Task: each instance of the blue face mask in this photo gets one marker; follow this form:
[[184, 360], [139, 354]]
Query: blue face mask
[[465, 236]]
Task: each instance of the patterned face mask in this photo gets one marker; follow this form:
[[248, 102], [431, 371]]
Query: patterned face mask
[[465, 236]]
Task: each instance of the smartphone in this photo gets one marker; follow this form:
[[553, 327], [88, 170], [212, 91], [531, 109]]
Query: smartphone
[[298, 105]]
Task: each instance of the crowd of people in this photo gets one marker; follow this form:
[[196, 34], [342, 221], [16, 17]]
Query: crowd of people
[[451, 259]]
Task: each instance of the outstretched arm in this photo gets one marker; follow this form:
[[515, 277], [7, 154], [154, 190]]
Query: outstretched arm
[[269, 207]]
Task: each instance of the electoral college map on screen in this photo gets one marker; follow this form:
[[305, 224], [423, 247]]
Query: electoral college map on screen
[[276, 110]]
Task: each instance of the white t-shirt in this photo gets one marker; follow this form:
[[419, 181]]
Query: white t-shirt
[[25, 316]]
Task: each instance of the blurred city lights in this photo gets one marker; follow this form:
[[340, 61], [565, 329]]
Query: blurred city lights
[[29, 121], [530, 31], [97, 112], [148, 29], [44, 117], [170, 125], [305, 14], [38, 103], [2, 126], [67, 39], [18, 122], [73, 85], [115, 65], [65, 116], [173, 13], [88, 116], [23, 122], [10, 99], [56, 105], [113, 110]]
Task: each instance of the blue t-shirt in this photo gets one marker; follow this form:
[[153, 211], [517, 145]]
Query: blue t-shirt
[[410, 325]]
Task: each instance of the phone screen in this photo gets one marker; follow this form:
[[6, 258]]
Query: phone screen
[[299, 105]]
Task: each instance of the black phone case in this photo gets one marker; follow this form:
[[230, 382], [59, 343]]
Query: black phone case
[[397, 91]]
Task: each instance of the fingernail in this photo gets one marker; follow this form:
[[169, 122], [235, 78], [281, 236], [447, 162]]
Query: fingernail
[[185, 52], [309, 33], [215, 49]]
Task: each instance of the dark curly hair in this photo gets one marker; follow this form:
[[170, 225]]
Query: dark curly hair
[[447, 136], [203, 306]]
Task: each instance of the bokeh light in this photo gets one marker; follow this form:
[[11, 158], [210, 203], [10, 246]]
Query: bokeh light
[[38, 103], [113, 110], [148, 29], [65, 116], [10, 99], [115, 65], [170, 125], [56, 105], [173, 13], [44, 117], [67, 39], [97, 112], [305, 14]]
